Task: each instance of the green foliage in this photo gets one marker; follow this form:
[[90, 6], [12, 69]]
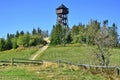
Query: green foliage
[[22, 33], [35, 40], [10, 36], [14, 43], [17, 34], [2, 43], [8, 44], [78, 34], [92, 28], [86, 34], [30, 40], [113, 33], [68, 39], [39, 31], [24, 40], [34, 31], [59, 35]]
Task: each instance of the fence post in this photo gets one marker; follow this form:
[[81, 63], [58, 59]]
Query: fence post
[[12, 61], [117, 71], [59, 63]]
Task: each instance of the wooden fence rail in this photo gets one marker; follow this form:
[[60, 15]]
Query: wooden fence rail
[[13, 61], [86, 66], [21, 61]]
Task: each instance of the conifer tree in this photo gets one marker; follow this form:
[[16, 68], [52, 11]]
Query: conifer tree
[[58, 35], [2, 43]]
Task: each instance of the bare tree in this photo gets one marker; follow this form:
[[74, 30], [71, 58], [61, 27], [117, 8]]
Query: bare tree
[[104, 42]]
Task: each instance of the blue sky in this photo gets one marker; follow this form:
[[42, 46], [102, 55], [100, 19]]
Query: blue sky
[[28, 14]]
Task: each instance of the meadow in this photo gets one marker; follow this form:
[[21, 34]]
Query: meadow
[[48, 71], [18, 53], [78, 55]]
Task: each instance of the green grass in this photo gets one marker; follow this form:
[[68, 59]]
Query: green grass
[[67, 74], [17, 53], [14, 73], [82, 54], [115, 57], [50, 72], [74, 54], [79, 54]]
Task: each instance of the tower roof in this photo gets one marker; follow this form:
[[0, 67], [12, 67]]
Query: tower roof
[[62, 6]]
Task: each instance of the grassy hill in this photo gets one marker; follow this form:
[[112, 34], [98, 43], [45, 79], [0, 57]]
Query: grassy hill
[[52, 71], [80, 54], [18, 53]]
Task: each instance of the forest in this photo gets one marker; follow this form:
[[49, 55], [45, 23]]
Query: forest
[[23, 39], [90, 34]]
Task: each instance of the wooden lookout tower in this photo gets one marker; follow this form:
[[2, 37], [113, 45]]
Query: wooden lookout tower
[[62, 15]]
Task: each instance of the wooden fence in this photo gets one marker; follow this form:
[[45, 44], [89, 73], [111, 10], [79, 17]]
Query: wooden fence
[[16, 61], [113, 69]]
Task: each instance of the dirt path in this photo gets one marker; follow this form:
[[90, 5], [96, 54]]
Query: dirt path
[[35, 55]]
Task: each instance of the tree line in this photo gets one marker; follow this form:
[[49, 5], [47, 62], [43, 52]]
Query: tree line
[[23, 39], [84, 33]]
